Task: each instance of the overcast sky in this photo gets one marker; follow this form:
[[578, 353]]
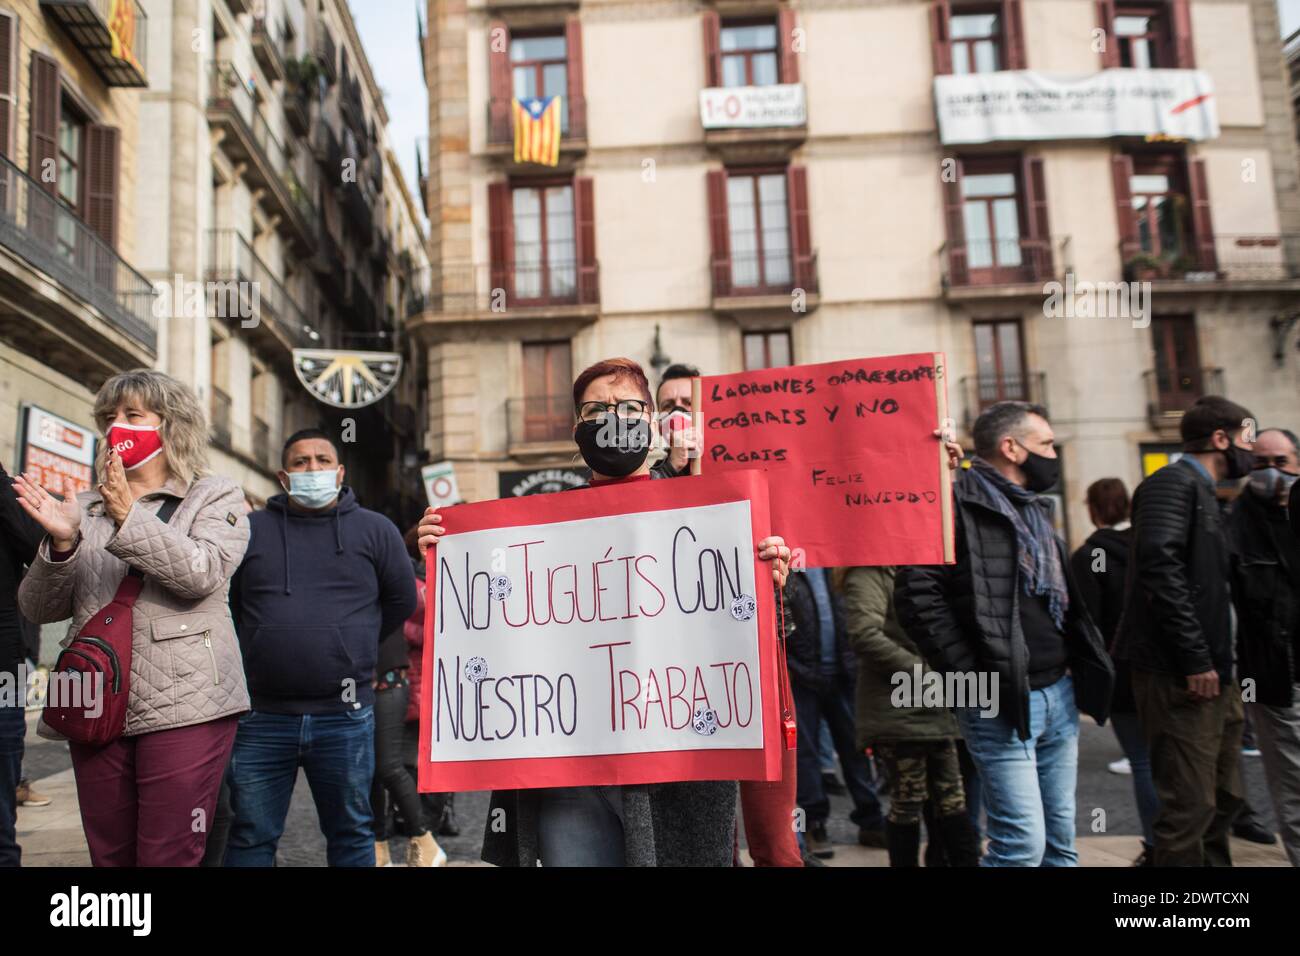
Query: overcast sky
[[1289, 10], [387, 29]]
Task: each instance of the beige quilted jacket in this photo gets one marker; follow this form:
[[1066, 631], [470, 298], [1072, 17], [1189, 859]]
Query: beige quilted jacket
[[186, 667]]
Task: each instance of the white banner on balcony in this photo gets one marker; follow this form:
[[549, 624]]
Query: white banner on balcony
[[1025, 105], [748, 107]]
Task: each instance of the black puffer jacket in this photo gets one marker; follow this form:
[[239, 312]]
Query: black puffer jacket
[[1266, 592], [803, 648], [1176, 606], [20, 536], [1103, 592], [965, 617]]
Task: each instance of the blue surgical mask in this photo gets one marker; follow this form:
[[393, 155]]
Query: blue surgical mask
[[314, 489], [1265, 482]]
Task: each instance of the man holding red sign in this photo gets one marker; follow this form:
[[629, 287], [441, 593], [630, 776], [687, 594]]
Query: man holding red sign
[[656, 822]]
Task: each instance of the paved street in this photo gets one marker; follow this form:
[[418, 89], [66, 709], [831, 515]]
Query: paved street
[[51, 836]]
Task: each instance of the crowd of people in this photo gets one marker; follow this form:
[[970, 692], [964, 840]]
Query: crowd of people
[[268, 641]]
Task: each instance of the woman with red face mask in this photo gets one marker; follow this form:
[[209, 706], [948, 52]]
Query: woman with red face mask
[[147, 796]]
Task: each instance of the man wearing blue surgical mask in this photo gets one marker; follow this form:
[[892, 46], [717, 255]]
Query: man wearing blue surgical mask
[[1266, 593], [322, 582]]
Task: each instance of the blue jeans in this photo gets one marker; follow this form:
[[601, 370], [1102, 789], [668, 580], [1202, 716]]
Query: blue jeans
[[580, 826], [13, 728], [836, 707], [1128, 731], [338, 753], [1028, 785]]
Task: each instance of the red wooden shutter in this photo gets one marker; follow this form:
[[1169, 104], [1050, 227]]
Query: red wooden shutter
[[1121, 169], [102, 146], [577, 97], [45, 119], [1180, 22], [1040, 236], [941, 37], [1207, 259], [584, 214], [712, 48], [719, 232], [501, 238], [1013, 35], [8, 81], [499, 83], [796, 186], [956, 228], [785, 26], [1106, 22]]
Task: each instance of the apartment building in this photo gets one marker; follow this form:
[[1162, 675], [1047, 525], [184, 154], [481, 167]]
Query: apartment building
[[262, 132], [753, 184], [74, 306]]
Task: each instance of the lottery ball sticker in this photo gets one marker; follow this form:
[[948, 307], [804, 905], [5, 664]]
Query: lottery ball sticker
[[476, 669], [705, 721], [501, 587], [744, 608]]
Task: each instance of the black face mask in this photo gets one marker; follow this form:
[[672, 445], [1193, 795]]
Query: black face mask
[[1240, 462], [1040, 471], [614, 447]]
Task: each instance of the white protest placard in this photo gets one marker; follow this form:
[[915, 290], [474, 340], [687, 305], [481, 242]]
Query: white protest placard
[[621, 635], [749, 107]]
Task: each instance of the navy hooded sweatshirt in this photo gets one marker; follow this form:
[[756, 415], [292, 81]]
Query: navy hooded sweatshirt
[[311, 600]]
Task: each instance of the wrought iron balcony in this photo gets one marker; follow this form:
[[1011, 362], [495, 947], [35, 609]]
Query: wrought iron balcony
[[1219, 258], [116, 46], [776, 275], [247, 294], [268, 47], [500, 290], [573, 129], [41, 230], [1002, 266], [980, 391], [1171, 391]]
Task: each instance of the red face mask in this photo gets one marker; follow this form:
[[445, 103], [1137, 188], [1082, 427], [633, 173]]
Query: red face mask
[[135, 444]]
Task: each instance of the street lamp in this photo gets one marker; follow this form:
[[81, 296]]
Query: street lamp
[[658, 360]]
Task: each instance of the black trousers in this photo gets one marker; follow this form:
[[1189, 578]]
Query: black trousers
[[392, 781]]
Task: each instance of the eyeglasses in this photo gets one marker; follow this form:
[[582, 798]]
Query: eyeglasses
[[624, 408]]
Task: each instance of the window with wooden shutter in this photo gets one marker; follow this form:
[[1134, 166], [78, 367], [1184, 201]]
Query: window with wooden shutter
[[45, 110], [577, 106], [1121, 167], [1180, 17], [954, 227], [1177, 362], [1110, 42], [1207, 259], [1013, 32], [500, 241], [499, 83], [941, 36], [785, 25], [1039, 245], [805, 271], [8, 81], [102, 160], [758, 231], [548, 399], [999, 362], [584, 211], [767, 350], [712, 24], [718, 232]]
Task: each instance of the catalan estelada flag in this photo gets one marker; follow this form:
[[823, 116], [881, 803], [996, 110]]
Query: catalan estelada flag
[[537, 130]]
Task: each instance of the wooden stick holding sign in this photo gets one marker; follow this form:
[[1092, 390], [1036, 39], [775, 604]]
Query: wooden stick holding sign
[[857, 476]]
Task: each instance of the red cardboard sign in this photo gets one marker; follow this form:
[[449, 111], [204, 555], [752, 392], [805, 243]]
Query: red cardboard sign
[[612, 635], [856, 474]]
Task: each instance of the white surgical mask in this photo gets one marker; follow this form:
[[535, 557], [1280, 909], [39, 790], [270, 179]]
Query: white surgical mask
[[1265, 482], [314, 489]]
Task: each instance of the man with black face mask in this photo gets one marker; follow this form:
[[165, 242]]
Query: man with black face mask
[[1010, 608], [1177, 634], [1266, 592]]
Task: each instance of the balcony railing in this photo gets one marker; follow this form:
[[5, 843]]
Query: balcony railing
[[540, 419], [775, 273], [220, 417], [327, 53], [354, 113], [231, 100], [1222, 258], [269, 44], [232, 260], [1171, 391], [980, 391], [501, 122], [1003, 262], [480, 288], [40, 229], [88, 23]]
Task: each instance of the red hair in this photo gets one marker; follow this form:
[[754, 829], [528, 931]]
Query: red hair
[[621, 368]]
